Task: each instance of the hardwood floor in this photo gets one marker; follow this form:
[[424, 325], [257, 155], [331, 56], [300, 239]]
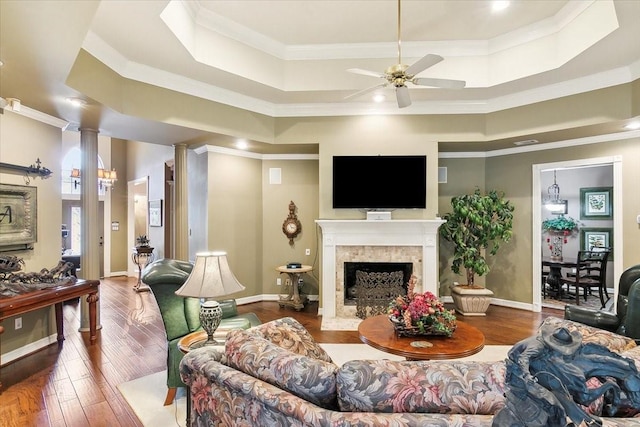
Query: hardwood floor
[[75, 384]]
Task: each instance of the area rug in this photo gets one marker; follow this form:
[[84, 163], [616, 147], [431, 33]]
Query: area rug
[[593, 301], [146, 395]]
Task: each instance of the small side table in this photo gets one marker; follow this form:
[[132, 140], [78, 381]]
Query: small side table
[[294, 299], [142, 256]]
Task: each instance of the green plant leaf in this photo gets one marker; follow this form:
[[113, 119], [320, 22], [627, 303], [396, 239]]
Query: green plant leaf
[[477, 222]]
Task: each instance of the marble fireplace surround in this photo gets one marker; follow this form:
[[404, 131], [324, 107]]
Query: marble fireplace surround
[[375, 241]]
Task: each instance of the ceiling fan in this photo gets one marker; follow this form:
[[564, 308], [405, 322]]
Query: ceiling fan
[[400, 74]]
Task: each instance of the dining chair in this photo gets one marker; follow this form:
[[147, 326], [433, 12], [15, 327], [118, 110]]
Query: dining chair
[[544, 274], [591, 272], [601, 249]]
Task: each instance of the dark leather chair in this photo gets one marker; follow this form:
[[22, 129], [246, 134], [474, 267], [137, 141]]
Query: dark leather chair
[[181, 316], [626, 320]]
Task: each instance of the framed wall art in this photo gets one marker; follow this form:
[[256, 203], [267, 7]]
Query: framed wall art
[[18, 216], [596, 238], [155, 213], [596, 203]]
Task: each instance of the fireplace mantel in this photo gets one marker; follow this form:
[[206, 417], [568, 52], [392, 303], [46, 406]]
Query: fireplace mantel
[[337, 233]]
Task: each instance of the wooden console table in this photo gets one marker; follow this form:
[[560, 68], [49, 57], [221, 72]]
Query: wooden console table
[[30, 301]]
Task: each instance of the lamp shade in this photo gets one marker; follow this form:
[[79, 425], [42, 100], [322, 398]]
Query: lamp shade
[[211, 277]]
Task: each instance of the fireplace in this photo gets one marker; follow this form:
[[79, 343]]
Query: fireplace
[[381, 241], [350, 269]]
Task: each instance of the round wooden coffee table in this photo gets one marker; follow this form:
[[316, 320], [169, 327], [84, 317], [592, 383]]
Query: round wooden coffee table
[[379, 333]]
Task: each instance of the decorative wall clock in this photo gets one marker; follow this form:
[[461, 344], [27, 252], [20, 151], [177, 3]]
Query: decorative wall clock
[[291, 226]]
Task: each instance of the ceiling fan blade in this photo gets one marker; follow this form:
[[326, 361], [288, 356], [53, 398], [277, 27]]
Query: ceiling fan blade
[[402, 96], [366, 72], [423, 63], [364, 91], [442, 83]]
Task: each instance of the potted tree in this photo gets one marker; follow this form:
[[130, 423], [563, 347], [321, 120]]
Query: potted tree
[[477, 223]]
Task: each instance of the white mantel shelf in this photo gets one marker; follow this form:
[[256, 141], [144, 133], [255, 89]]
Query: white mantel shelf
[[407, 232]]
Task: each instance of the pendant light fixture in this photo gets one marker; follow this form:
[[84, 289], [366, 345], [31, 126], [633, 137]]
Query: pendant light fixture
[[553, 203]]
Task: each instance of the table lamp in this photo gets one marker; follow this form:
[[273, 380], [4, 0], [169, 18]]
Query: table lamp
[[210, 278]]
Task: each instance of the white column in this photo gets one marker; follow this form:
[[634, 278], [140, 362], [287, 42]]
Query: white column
[[90, 228], [181, 203]]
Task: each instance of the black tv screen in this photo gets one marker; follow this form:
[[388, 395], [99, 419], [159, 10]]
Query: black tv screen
[[379, 182]]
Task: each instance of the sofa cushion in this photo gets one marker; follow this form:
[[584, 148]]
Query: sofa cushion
[[421, 386], [305, 376], [289, 334]]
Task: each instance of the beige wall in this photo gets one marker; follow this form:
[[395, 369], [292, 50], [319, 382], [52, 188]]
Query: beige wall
[[22, 141], [119, 254], [300, 185], [234, 216]]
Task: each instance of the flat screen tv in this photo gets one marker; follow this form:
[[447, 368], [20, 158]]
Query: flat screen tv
[[379, 182]]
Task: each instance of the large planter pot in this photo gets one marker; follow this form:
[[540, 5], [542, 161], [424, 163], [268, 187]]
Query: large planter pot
[[469, 301]]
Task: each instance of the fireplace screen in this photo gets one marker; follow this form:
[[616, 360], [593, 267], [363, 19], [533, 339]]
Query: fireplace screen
[[371, 286]]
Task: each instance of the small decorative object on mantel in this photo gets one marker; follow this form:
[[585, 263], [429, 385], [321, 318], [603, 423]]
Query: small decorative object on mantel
[[559, 229], [419, 314], [291, 226]]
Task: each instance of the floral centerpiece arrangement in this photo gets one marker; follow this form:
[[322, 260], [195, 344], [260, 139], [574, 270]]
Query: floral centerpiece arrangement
[[420, 314]]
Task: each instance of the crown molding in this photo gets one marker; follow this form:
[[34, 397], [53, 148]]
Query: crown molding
[[596, 139]]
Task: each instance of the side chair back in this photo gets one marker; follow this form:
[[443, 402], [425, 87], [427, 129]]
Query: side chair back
[[591, 272]]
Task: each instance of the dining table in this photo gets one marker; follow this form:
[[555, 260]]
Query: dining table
[[554, 279]]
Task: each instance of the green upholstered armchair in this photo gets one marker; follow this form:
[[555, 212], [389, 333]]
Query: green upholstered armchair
[[626, 320], [181, 316]]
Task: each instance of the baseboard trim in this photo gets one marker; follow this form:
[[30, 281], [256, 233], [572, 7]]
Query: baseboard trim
[[117, 273], [268, 297], [26, 350]]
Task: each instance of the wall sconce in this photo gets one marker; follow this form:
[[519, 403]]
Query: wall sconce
[[553, 203], [106, 178]]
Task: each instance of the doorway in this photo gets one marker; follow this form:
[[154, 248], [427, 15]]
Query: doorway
[[72, 224], [137, 216], [615, 163]]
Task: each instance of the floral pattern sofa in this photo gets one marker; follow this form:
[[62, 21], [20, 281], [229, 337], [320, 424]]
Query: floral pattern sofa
[[275, 374]]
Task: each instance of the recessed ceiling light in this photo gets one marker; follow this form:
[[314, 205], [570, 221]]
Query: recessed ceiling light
[[241, 144], [633, 126], [378, 97], [76, 102], [1, 63], [499, 5]]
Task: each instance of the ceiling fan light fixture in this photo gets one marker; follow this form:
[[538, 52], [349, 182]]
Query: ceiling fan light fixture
[[400, 74]]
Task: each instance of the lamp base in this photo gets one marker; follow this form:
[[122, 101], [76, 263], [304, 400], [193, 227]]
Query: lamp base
[[210, 317]]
